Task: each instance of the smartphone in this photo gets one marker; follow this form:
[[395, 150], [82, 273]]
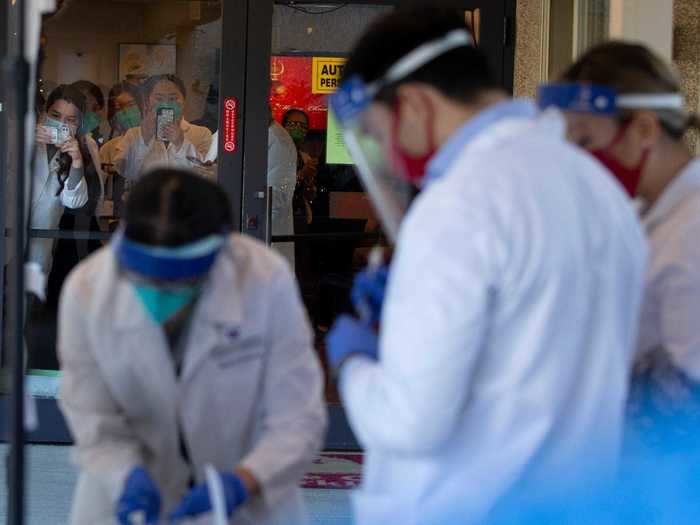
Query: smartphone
[[58, 135], [164, 117]]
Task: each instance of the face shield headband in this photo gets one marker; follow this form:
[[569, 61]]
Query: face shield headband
[[167, 263], [604, 101]]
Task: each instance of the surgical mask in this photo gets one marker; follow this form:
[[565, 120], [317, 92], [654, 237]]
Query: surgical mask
[[411, 167], [298, 135], [164, 303], [129, 118], [177, 108], [628, 177], [91, 120]]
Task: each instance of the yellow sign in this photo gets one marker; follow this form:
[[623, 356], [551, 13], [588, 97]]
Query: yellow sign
[[326, 74]]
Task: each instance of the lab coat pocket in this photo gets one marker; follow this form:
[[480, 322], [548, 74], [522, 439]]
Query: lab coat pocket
[[244, 350]]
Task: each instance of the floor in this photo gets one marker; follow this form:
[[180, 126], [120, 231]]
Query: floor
[[51, 477]]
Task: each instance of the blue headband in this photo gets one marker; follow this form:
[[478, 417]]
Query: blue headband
[[158, 262]]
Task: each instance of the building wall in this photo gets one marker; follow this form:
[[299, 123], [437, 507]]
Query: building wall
[[528, 47], [686, 53]]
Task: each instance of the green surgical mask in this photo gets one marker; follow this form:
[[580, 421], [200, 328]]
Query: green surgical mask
[[297, 134], [177, 108], [129, 118], [162, 303], [90, 121]]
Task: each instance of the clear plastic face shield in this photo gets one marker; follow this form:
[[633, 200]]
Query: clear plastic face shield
[[369, 134]]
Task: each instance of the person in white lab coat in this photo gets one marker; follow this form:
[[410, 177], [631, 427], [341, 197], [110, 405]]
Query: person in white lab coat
[[183, 345], [501, 365], [638, 136], [181, 144], [282, 177], [61, 159]]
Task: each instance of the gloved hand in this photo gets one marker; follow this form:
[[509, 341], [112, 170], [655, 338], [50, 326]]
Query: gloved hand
[[350, 336], [368, 292], [140, 494], [197, 501]]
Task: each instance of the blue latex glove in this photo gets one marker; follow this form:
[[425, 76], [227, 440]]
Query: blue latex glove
[[140, 494], [350, 336], [197, 501], [368, 292]]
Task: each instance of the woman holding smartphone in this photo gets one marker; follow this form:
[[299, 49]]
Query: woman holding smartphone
[[61, 162]]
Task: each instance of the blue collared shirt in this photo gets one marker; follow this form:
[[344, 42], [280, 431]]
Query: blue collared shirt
[[448, 153]]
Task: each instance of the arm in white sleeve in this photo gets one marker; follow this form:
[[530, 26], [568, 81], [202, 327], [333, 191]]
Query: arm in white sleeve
[[130, 153], [293, 409], [678, 292], [75, 191], [431, 335], [104, 443]]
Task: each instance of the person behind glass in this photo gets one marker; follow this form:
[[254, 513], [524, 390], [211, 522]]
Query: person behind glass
[[181, 345], [95, 105], [639, 137], [296, 122], [164, 138], [61, 161]]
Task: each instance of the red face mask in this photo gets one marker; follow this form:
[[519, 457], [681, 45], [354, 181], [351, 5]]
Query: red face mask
[[628, 177], [411, 167]]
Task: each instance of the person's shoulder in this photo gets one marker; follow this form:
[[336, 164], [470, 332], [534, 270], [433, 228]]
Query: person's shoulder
[[254, 258], [81, 282], [196, 130]]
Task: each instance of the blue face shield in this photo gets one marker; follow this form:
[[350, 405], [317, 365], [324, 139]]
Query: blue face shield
[[380, 171], [167, 278], [602, 100]]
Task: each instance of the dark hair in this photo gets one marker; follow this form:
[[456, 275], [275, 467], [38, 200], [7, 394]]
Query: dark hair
[[118, 89], [85, 86], [632, 68], [287, 115], [462, 74], [68, 93], [150, 84], [169, 207]]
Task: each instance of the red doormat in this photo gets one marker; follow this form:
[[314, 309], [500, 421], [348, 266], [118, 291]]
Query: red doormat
[[334, 471]]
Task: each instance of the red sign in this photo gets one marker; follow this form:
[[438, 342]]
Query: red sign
[[229, 127], [291, 82]]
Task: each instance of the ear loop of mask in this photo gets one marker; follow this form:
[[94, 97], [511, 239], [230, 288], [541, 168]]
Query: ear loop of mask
[[411, 166]]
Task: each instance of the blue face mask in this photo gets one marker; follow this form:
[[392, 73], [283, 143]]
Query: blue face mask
[[162, 303], [91, 121]]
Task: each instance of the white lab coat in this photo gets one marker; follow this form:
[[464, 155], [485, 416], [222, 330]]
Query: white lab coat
[[282, 177], [250, 393], [133, 157], [507, 360], [47, 208], [671, 309]]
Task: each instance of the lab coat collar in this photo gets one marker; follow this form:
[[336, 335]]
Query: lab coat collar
[[451, 150], [686, 182], [219, 305]]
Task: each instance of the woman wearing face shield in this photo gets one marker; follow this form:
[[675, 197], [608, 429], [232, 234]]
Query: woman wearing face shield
[[182, 345], [625, 106], [61, 161]]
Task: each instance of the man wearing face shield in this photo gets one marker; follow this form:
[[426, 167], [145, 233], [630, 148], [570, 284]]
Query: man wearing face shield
[[502, 356], [625, 106], [152, 145], [183, 345]]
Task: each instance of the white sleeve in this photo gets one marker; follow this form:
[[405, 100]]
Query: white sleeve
[[104, 443], [294, 412], [130, 153], [431, 335], [76, 197], [281, 174], [678, 294]]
